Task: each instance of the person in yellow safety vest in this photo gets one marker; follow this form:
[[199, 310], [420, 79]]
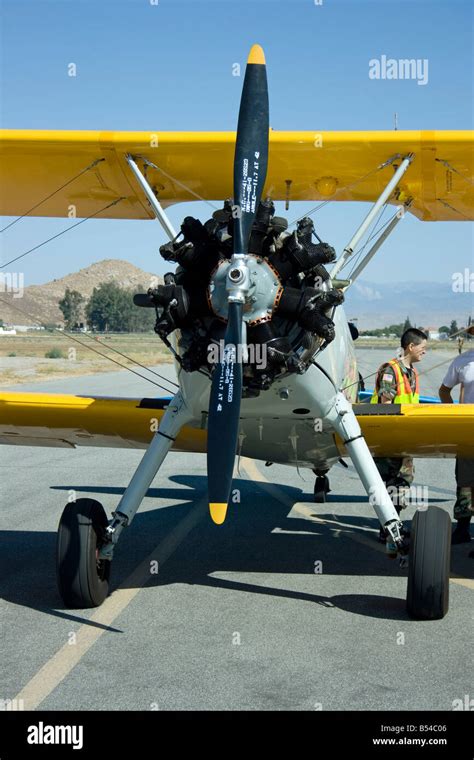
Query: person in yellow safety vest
[[397, 382]]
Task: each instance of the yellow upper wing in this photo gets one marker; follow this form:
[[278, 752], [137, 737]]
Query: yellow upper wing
[[309, 166]]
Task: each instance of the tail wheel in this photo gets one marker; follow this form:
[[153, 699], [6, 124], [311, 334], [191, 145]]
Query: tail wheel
[[83, 578], [321, 489], [428, 564]]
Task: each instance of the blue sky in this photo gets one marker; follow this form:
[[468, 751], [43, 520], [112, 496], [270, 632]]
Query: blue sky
[[168, 66]]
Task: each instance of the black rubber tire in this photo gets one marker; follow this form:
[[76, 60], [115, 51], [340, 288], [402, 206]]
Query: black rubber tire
[[83, 581], [428, 564]]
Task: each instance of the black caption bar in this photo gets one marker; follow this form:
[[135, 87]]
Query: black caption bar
[[375, 734]]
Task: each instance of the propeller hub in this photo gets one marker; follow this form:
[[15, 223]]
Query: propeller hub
[[236, 276], [254, 283]]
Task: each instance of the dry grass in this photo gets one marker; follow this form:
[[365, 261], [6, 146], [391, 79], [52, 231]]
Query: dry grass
[[29, 363], [37, 344]]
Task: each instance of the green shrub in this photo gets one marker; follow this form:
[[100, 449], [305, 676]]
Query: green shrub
[[54, 353]]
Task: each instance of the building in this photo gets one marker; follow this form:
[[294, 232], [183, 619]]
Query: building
[[433, 333]]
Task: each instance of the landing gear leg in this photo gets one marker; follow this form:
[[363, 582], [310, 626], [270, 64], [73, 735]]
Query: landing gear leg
[[344, 421], [86, 542], [430, 543]]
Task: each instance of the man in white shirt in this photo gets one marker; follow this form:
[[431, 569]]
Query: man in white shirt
[[461, 371]]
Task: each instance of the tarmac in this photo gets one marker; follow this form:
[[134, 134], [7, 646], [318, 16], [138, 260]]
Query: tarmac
[[290, 605]]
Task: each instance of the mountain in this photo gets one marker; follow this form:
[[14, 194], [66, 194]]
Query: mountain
[[41, 301], [428, 304]]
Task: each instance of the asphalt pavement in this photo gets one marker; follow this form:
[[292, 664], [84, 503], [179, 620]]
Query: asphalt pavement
[[288, 605]]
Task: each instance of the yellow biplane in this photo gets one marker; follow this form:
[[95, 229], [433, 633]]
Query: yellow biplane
[[253, 311]]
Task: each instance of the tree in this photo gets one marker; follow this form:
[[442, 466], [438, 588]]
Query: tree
[[103, 310], [407, 324], [453, 329], [395, 330], [71, 307], [443, 329], [111, 307]]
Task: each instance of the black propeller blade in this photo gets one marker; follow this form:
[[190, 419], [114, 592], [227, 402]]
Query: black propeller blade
[[251, 148], [224, 414], [250, 169]]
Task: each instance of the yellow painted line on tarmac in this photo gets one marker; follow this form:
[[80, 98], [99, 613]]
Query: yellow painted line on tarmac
[[467, 582], [305, 510], [65, 659]]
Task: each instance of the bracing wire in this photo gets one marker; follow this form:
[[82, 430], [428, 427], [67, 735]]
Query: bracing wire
[[76, 176]]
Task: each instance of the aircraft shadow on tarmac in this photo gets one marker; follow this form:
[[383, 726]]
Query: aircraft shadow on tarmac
[[257, 537]]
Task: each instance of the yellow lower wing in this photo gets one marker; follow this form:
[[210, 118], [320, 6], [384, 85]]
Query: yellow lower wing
[[45, 419], [421, 430], [42, 419]]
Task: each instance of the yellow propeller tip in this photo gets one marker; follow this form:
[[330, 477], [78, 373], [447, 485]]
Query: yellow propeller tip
[[218, 512], [256, 55]]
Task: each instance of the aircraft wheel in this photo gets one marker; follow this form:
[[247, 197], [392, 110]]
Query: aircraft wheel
[[83, 579], [321, 489], [428, 564]]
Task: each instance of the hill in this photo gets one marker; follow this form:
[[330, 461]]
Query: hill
[[373, 304], [41, 301]]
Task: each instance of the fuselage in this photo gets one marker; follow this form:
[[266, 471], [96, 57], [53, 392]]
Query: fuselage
[[284, 423]]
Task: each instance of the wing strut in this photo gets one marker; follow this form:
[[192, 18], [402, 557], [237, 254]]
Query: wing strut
[[383, 198], [399, 215], [153, 200]]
